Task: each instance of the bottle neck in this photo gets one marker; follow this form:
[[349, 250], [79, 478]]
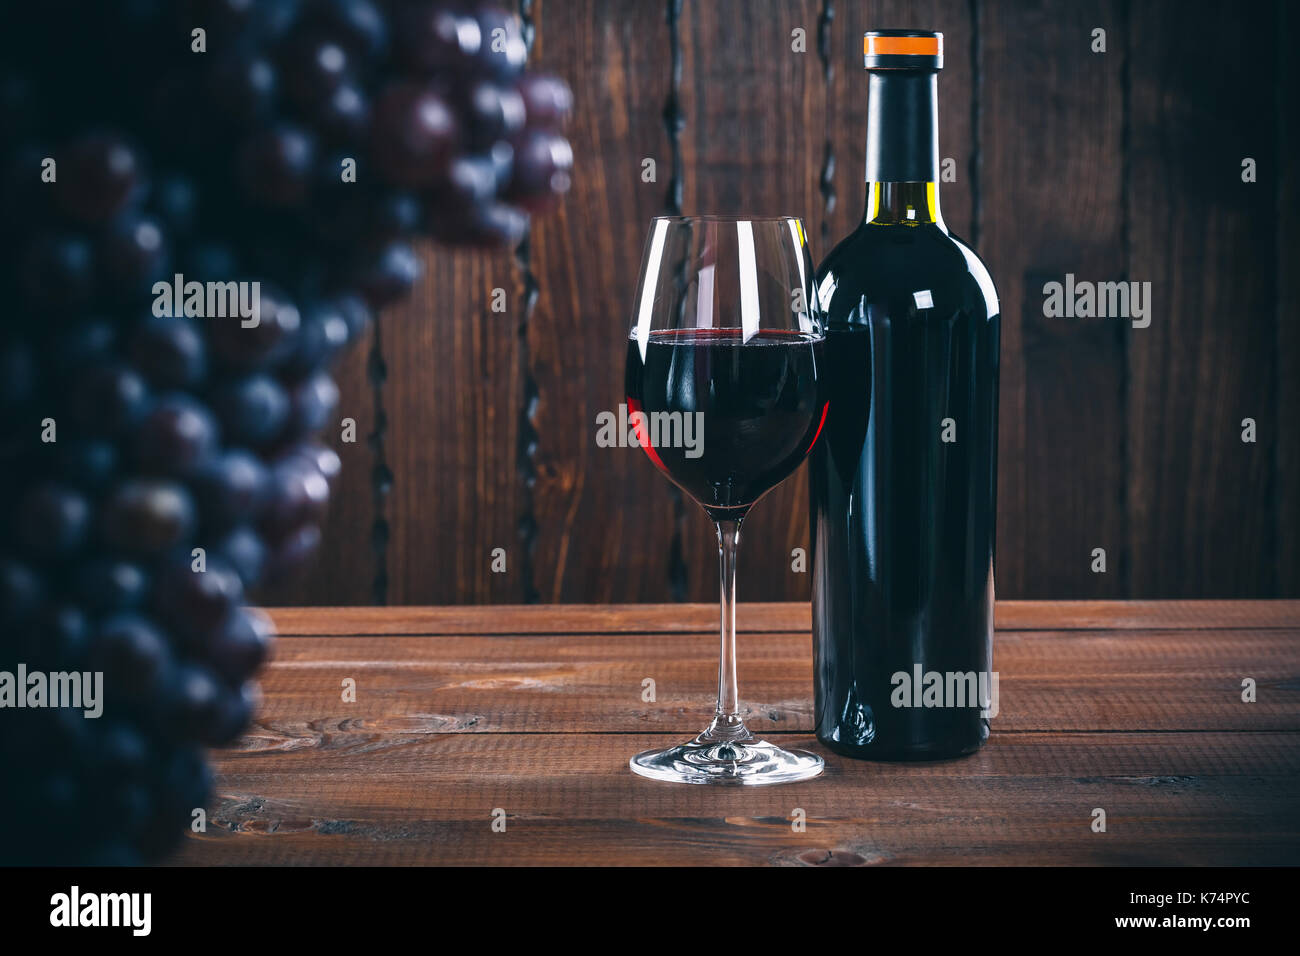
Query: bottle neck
[[903, 147], [903, 204]]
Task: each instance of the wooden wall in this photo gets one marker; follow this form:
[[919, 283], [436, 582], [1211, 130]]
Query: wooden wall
[[1122, 165]]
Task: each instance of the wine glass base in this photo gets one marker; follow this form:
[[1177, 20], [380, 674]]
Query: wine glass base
[[749, 762]]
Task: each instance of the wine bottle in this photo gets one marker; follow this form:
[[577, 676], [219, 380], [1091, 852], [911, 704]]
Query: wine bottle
[[903, 483]]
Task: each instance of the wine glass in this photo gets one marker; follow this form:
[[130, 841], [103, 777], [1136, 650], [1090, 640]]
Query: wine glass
[[725, 395]]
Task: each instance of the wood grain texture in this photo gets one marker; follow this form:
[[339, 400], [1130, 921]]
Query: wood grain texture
[[1025, 799], [1049, 680], [452, 428], [1051, 206], [1199, 497], [1145, 722], [615, 56]]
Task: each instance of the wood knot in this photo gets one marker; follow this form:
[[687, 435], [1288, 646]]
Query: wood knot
[[820, 857]]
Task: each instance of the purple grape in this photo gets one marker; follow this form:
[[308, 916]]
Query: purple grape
[[412, 134], [98, 178], [252, 410], [433, 37], [133, 654], [86, 463], [120, 750], [486, 225], [312, 404], [81, 346], [493, 113], [254, 345], [230, 489], [195, 603], [242, 88], [395, 215], [175, 198], [235, 711], [312, 68], [175, 437], [388, 274], [194, 704], [200, 707], [270, 20], [241, 645], [470, 180], [356, 313], [105, 585], [58, 272], [210, 261], [548, 101], [245, 551], [53, 520], [340, 115], [322, 335], [183, 783], [299, 495], [502, 51], [170, 351], [357, 24], [275, 165], [294, 550], [107, 399], [542, 171], [21, 592], [133, 255], [66, 632], [323, 458], [147, 517]]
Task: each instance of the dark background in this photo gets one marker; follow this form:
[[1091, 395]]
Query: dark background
[[1123, 165]]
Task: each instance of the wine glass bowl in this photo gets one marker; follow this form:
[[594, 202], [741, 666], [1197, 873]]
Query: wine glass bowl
[[725, 395]]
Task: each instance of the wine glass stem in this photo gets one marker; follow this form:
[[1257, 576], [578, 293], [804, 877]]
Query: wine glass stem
[[727, 724]]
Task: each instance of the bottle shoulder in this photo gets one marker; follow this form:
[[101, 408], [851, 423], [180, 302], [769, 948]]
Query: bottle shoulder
[[903, 268]]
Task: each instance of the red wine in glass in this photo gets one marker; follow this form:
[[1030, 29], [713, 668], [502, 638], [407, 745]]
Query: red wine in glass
[[755, 407]]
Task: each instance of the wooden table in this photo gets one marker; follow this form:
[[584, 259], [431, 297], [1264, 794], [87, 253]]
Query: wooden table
[[532, 712]]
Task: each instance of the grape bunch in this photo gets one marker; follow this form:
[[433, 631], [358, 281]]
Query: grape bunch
[[161, 456]]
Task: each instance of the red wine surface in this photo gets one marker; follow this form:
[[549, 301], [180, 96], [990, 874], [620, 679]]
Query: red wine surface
[[726, 417]]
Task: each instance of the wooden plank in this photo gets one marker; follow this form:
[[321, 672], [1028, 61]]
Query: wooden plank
[[1025, 799], [1051, 205], [1201, 511], [452, 395], [1049, 680], [604, 515], [759, 617], [1286, 482]]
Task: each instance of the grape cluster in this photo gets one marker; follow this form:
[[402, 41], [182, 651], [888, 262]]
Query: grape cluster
[[158, 463]]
